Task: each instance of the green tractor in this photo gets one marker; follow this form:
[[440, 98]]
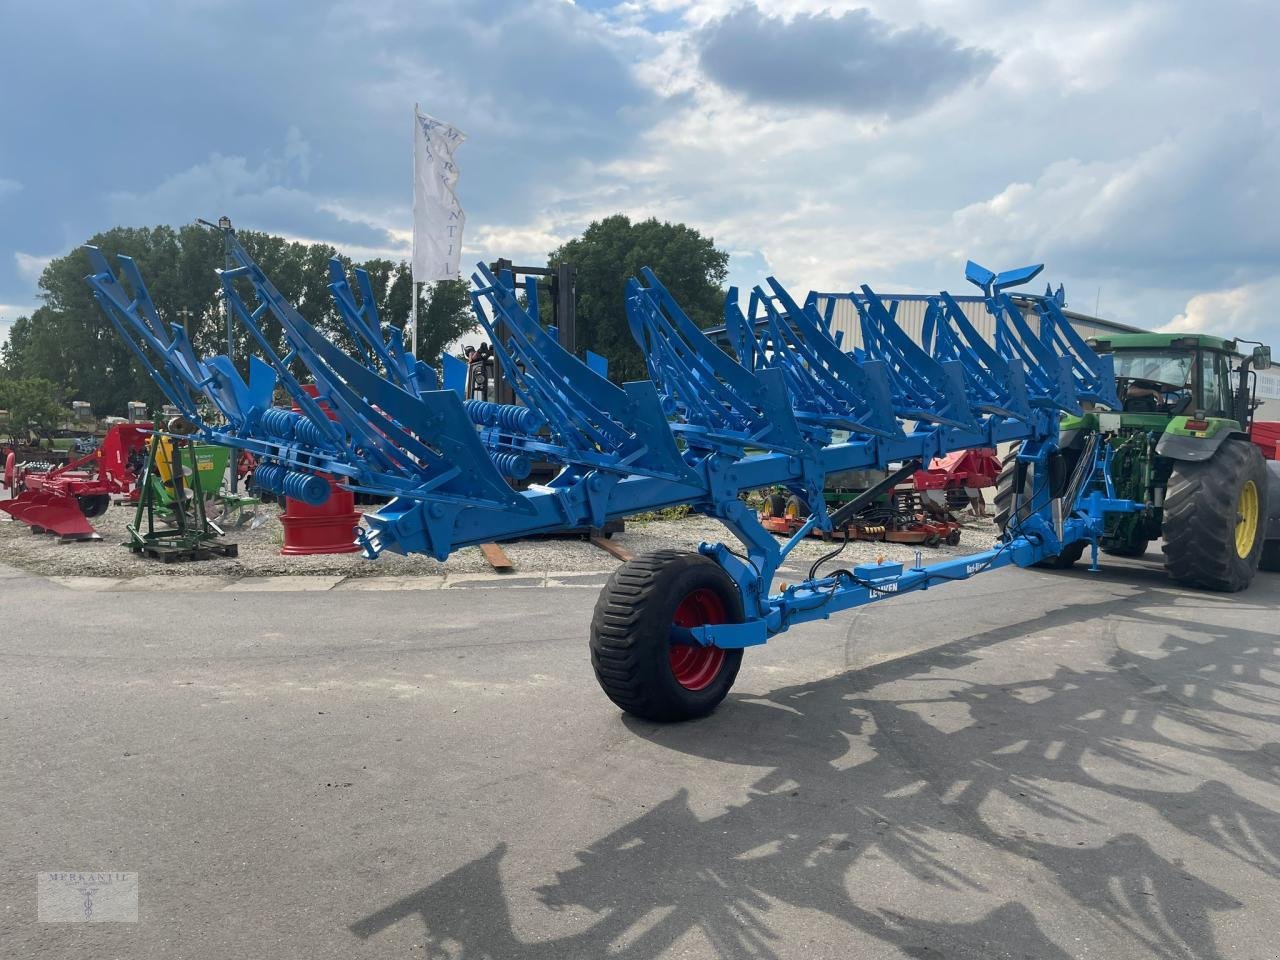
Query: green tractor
[[1180, 444]]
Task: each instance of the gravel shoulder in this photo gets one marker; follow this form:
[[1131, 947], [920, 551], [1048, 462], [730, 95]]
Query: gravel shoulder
[[259, 551]]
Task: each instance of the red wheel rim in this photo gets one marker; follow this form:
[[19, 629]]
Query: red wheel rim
[[694, 667]]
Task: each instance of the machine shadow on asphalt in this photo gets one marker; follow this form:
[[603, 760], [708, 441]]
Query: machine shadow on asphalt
[[1061, 788]]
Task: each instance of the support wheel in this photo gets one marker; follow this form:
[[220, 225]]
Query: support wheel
[[94, 504], [1215, 516], [638, 656]]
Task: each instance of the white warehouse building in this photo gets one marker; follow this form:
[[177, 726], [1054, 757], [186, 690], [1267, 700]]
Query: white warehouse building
[[911, 309]]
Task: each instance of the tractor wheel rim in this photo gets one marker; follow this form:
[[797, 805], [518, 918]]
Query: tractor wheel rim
[[1246, 519], [695, 667]]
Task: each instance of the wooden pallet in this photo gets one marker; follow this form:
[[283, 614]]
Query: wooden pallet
[[177, 553]]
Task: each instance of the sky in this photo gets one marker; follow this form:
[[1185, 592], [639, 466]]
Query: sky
[[1133, 148]]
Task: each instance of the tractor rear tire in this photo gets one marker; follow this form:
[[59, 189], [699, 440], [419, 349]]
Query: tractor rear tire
[[636, 662], [1004, 504], [775, 505], [1135, 548], [1004, 486], [796, 508], [1067, 559], [1215, 516], [1270, 559]]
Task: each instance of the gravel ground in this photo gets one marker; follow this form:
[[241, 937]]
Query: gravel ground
[[259, 553], [687, 533]]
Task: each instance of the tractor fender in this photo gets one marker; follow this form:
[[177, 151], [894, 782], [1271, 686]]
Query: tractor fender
[[1194, 449]]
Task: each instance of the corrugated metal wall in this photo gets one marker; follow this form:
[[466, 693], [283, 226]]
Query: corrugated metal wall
[[910, 317]]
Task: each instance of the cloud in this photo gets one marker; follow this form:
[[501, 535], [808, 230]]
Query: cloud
[[257, 196], [1131, 147], [852, 61], [9, 312], [1246, 311], [1186, 211], [9, 186], [31, 266], [284, 115]]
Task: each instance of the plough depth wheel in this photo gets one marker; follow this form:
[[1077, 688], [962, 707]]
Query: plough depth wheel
[[639, 657], [94, 504]]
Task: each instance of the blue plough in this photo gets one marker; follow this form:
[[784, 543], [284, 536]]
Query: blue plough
[[788, 407]]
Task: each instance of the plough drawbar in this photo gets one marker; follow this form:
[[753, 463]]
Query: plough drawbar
[[787, 406]]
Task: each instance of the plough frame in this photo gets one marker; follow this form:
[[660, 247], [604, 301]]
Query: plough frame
[[786, 408]]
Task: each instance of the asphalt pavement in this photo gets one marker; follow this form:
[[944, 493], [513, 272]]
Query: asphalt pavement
[[1027, 765]]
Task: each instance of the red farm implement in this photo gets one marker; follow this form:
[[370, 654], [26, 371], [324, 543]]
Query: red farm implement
[[885, 511], [956, 480], [62, 500]]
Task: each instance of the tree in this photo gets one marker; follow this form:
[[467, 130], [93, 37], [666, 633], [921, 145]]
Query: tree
[[444, 314], [32, 407], [71, 344], [612, 250]]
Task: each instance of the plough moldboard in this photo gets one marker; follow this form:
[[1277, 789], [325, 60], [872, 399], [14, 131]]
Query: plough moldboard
[[787, 407]]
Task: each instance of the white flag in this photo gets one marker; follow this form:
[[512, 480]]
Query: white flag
[[438, 218]]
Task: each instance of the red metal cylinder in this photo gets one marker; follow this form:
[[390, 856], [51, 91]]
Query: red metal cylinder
[[328, 528]]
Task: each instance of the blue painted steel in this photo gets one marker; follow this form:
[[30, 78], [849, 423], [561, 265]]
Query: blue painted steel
[[787, 407]]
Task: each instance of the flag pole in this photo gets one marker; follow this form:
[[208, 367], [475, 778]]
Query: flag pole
[[413, 257], [413, 344]]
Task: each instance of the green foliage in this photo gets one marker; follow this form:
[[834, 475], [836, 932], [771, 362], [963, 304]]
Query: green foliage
[[678, 512], [444, 314], [69, 341], [33, 407], [612, 250]]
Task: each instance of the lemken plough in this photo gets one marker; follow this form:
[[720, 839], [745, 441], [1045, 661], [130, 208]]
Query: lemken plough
[[788, 407]]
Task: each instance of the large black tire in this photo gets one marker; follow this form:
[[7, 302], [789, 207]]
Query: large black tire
[[1270, 559], [1134, 548], [775, 505], [1202, 518], [1004, 503], [1004, 486], [635, 661], [796, 508], [94, 504]]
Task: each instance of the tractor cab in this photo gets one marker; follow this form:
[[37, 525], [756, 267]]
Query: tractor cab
[[1179, 375]]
